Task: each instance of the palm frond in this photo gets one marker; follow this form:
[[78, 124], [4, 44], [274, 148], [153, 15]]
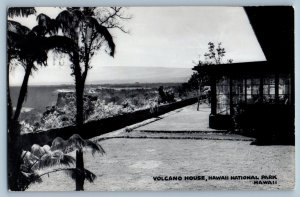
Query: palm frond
[[29, 159], [65, 18], [13, 26], [71, 9], [43, 19], [88, 11], [47, 148], [32, 177], [20, 11], [89, 176], [39, 30], [72, 172], [15, 42], [62, 43], [86, 174], [37, 150], [50, 25], [58, 144], [68, 22], [102, 31], [55, 158], [67, 160], [95, 147], [75, 142]]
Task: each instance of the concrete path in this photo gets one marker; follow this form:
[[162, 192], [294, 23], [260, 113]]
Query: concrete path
[[183, 123], [183, 119]]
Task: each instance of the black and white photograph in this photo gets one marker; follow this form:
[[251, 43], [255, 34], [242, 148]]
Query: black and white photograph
[[163, 98]]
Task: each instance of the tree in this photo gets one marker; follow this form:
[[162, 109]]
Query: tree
[[88, 28], [39, 158], [57, 156], [214, 56], [83, 36], [29, 48], [20, 11], [76, 143]]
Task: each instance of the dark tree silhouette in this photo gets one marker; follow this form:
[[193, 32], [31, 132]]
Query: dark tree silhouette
[[56, 159], [84, 33], [76, 143], [20, 11], [214, 56], [88, 28], [29, 48]]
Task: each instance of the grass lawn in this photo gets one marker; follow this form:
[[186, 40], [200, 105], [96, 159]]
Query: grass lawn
[[130, 164]]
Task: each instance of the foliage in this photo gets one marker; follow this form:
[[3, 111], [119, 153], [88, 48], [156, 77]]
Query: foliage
[[75, 142], [99, 103], [215, 54], [20, 11], [56, 158], [39, 158], [29, 48], [88, 28], [165, 96], [200, 77]]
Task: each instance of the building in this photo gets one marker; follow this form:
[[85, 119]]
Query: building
[[259, 97]]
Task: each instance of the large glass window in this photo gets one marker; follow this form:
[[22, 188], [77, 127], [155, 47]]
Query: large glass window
[[238, 91], [252, 89], [223, 94], [269, 89], [284, 89]]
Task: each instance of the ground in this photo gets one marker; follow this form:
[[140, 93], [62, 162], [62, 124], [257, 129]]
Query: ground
[[130, 164], [183, 119], [133, 158]]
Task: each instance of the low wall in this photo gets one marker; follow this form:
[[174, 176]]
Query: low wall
[[99, 127]]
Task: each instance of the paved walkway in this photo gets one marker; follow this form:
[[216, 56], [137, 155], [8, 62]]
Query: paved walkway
[[183, 123], [183, 119]]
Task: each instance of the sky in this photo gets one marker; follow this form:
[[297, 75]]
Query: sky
[[170, 37]]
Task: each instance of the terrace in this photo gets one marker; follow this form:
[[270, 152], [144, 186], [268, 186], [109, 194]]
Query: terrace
[[154, 148]]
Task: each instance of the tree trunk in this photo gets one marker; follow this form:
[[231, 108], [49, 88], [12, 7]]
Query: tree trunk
[[16, 181], [199, 95], [80, 176], [79, 88], [79, 105], [23, 91], [9, 103]]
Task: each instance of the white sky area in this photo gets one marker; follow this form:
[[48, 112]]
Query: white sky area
[[159, 37]]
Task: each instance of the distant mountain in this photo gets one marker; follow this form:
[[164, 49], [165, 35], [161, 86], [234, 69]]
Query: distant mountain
[[122, 74]]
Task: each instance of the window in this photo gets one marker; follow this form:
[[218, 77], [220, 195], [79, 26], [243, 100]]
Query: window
[[252, 89], [223, 94], [269, 89], [284, 91], [238, 91]]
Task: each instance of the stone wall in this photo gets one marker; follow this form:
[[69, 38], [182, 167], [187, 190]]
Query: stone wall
[[99, 127]]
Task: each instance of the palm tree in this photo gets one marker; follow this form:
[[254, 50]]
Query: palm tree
[[15, 177], [76, 143], [29, 47], [57, 158], [40, 158], [80, 25], [20, 11], [18, 29]]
